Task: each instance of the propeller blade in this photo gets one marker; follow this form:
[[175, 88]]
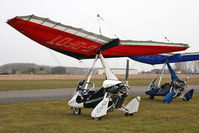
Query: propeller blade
[[127, 71]]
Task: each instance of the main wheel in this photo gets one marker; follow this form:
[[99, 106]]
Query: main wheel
[[97, 118], [151, 97], [131, 114], [127, 114], [185, 100], [76, 111]]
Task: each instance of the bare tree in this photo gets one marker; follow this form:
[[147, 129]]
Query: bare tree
[[187, 67], [183, 67], [196, 67]]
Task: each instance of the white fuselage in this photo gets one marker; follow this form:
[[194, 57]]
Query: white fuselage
[[111, 80], [73, 102]]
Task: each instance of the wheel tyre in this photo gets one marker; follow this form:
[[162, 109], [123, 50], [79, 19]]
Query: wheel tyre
[[76, 111], [97, 118], [131, 114], [126, 114], [166, 102], [151, 97], [185, 100]]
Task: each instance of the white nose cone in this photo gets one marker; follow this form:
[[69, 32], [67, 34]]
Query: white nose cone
[[73, 103]]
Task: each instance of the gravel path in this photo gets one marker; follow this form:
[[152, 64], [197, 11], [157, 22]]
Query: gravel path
[[58, 94]]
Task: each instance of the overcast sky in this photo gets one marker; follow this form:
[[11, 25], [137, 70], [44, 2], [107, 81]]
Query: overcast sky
[[178, 20]]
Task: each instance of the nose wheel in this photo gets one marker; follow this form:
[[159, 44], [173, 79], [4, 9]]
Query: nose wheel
[[76, 111]]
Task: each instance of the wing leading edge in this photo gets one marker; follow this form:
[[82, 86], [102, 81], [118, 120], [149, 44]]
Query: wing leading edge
[[82, 44], [170, 58]]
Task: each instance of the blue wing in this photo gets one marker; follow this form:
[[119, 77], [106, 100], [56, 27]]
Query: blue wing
[[170, 58]]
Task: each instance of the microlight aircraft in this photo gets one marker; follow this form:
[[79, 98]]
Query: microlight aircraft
[[177, 87], [81, 44], [110, 96]]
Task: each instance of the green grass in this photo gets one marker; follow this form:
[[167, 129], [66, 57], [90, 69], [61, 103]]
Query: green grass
[[51, 84], [57, 117], [36, 84]]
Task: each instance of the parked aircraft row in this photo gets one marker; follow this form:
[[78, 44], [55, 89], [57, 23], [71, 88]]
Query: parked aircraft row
[[82, 44]]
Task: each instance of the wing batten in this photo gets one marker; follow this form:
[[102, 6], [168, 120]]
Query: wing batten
[[52, 24], [80, 42]]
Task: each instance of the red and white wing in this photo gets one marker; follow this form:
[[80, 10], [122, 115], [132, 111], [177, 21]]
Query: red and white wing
[[82, 44]]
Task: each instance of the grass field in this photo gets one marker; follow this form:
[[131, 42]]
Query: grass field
[[51, 84], [57, 117]]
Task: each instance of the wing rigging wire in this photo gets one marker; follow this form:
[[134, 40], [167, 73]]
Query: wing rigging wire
[[100, 19], [100, 30], [54, 57]]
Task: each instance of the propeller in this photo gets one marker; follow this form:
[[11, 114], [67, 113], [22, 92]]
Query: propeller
[[127, 72], [127, 77]]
